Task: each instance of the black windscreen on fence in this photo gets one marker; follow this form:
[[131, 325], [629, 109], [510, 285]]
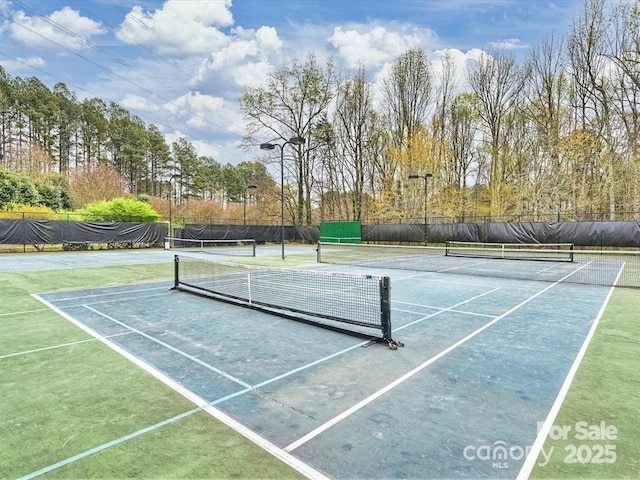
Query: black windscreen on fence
[[587, 234], [259, 233], [47, 232]]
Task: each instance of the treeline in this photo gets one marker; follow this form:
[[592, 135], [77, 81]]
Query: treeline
[[45, 131], [556, 132]]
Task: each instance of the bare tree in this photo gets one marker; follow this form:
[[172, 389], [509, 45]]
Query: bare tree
[[496, 80], [444, 95], [293, 103], [444, 98], [587, 48], [461, 135], [624, 50], [407, 93], [356, 132], [625, 40], [547, 92], [406, 96]]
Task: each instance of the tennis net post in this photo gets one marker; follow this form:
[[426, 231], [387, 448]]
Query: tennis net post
[[176, 272], [385, 311]]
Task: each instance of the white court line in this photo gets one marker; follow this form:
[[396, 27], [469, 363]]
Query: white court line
[[463, 312], [59, 346], [23, 312], [119, 300], [555, 265], [226, 375], [473, 314], [416, 275], [437, 277], [473, 264], [110, 294], [448, 309], [433, 307], [363, 403], [536, 448], [202, 404], [419, 305], [104, 446]]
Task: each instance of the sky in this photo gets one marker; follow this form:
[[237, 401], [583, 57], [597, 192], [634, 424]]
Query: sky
[[183, 64]]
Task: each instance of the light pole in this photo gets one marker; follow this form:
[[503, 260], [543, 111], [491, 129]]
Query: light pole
[[244, 203], [425, 177], [173, 177], [270, 146]]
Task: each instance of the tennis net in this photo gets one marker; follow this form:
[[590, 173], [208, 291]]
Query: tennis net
[[350, 303], [603, 267], [549, 252], [235, 248]]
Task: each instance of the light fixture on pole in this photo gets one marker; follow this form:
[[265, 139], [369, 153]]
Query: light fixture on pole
[[270, 146], [244, 203], [173, 177], [425, 177]]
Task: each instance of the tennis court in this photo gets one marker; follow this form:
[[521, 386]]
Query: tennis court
[[483, 362]]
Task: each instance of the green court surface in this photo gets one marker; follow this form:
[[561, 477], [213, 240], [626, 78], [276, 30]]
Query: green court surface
[[596, 433], [109, 373]]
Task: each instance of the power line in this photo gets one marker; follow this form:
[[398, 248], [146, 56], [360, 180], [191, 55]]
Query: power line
[[117, 60]]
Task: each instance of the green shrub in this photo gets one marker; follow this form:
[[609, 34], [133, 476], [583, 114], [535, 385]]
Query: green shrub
[[51, 191], [17, 189], [120, 210]]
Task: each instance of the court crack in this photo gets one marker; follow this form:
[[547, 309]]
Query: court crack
[[283, 405]]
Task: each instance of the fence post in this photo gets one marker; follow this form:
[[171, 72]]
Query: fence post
[[24, 235]]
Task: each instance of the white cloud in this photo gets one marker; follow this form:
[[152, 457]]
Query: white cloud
[[194, 101], [136, 102], [508, 44], [251, 74], [4, 6], [23, 63], [243, 61], [222, 151], [207, 113], [208, 149], [63, 28], [267, 39], [462, 61], [185, 26], [374, 46]]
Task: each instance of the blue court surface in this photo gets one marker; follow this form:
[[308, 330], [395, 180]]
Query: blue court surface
[[483, 362]]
